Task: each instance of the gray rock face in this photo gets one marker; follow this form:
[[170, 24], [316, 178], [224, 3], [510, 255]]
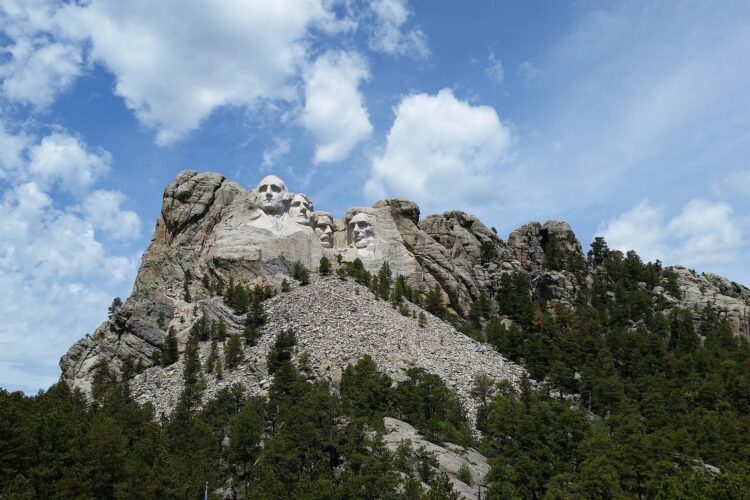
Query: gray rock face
[[728, 300], [337, 323], [213, 230], [450, 458]]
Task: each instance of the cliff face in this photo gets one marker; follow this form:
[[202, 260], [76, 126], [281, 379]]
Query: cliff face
[[212, 230]]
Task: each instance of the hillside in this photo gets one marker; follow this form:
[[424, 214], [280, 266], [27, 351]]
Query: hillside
[[276, 352]]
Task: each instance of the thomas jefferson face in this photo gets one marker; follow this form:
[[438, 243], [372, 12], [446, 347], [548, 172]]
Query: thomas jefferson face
[[301, 210], [272, 193], [324, 228], [362, 230]]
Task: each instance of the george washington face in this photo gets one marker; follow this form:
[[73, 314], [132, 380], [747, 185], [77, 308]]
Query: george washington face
[[272, 193]]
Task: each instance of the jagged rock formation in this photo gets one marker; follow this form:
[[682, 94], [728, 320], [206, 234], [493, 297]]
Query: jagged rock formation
[[211, 229]]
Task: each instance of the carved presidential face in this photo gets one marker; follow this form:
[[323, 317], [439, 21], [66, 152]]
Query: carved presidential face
[[362, 230], [324, 228], [272, 194], [301, 210]]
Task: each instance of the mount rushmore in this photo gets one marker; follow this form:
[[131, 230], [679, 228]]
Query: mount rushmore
[[211, 229]]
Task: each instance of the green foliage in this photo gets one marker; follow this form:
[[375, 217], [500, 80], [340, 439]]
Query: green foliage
[[301, 273], [281, 351], [383, 282], [169, 353], [464, 475], [285, 286], [434, 303], [116, 304], [186, 287], [488, 251], [232, 352], [426, 402], [324, 267], [422, 319], [356, 270]]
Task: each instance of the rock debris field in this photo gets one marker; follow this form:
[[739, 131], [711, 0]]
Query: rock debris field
[[336, 323]]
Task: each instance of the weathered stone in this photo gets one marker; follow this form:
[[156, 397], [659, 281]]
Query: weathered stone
[[450, 458]]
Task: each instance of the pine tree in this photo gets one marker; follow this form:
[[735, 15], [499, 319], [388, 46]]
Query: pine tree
[[192, 370], [116, 303], [213, 357], [170, 353], [300, 273], [324, 268], [383, 286], [233, 351], [221, 331], [285, 285], [422, 319]]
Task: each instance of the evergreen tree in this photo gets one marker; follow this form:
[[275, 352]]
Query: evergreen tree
[[170, 353], [233, 351], [301, 274], [116, 304], [324, 268], [281, 350]]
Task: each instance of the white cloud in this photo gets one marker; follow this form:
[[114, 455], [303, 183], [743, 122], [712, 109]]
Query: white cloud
[[640, 229], [174, 63], [440, 151], [234, 53], [60, 275], [387, 34], [702, 233], [103, 209], [736, 182], [39, 62], [334, 109], [275, 152], [62, 160], [494, 69]]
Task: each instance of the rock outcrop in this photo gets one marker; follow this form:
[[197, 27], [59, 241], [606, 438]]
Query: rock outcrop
[[450, 457], [211, 230]]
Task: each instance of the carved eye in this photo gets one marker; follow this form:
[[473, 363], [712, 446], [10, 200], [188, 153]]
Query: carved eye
[[295, 203], [275, 188], [263, 188]]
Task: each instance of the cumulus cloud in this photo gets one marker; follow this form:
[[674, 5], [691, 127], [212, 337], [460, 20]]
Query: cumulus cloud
[[334, 109], [103, 210], [388, 34], [704, 232], [39, 62], [173, 63], [440, 151], [173, 77], [63, 160], [52, 258]]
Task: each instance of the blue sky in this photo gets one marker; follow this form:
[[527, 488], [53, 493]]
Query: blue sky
[[627, 119]]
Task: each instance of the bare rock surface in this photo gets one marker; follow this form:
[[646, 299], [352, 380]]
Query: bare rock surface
[[336, 323], [450, 457]]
